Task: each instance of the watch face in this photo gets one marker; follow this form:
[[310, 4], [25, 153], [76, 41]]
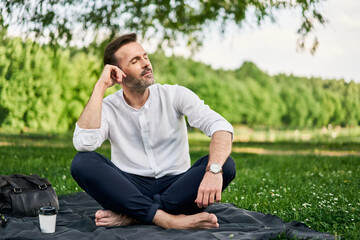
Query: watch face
[[215, 168]]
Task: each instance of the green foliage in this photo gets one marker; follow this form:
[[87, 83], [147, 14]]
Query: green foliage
[[249, 96], [42, 89], [45, 89], [29, 90], [60, 20]]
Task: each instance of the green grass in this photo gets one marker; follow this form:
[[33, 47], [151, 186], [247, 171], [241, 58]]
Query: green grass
[[321, 191]]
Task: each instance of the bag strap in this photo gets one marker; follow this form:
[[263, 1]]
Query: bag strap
[[3, 182], [35, 179], [16, 187], [42, 183]]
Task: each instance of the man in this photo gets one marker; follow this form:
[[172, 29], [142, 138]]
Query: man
[[149, 178]]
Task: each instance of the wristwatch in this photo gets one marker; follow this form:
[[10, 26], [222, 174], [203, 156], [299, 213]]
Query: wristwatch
[[214, 168]]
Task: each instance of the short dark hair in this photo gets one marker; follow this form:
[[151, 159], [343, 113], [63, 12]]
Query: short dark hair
[[114, 45]]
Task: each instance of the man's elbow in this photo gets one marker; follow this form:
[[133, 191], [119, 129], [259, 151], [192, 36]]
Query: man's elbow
[[81, 147], [85, 148]]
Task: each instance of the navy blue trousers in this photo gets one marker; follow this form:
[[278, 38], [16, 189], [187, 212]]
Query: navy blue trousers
[[140, 197]]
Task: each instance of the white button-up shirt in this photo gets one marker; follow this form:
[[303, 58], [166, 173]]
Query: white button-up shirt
[[151, 141]]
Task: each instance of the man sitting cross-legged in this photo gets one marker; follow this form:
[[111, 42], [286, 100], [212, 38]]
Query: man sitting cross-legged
[[149, 178]]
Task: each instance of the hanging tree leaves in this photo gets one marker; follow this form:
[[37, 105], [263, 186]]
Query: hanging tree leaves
[[60, 21]]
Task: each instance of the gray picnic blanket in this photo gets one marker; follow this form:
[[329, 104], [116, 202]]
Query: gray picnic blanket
[[75, 220]]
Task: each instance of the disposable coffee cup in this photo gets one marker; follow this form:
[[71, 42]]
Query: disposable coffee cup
[[47, 218]]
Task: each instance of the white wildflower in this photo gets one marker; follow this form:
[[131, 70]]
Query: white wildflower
[[306, 204]]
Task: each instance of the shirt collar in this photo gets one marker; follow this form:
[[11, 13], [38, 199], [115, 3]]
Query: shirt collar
[[145, 106]]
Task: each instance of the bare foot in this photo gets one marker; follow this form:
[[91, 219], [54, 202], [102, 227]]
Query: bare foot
[[107, 218], [202, 220]]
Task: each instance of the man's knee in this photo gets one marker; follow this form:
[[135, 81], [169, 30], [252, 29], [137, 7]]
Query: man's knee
[[81, 162]]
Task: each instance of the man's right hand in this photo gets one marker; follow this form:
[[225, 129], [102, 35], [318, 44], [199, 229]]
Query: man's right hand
[[111, 75], [90, 118]]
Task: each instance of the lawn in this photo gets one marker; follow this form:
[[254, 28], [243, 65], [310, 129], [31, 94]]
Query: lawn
[[323, 191]]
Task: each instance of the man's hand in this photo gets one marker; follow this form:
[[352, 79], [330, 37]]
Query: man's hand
[[111, 75], [90, 118], [209, 189]]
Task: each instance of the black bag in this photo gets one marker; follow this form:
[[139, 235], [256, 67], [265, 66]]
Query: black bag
[[23, 195]]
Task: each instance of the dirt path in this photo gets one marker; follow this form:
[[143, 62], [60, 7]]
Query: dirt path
[[234, 149], [35, 144], [292, 152], [287, 152]]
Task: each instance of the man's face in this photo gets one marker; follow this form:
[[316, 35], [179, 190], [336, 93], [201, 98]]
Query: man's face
[[135, 63]]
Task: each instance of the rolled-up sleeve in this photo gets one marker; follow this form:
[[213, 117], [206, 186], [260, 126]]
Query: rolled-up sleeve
[[86, 140], [199, 114]]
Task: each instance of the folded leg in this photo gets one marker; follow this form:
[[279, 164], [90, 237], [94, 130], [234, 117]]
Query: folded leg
[[110, 187]]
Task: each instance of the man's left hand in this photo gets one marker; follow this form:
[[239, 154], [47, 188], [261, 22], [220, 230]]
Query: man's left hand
[[209, 189]]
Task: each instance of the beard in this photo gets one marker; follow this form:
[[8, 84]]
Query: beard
[[139, 84]]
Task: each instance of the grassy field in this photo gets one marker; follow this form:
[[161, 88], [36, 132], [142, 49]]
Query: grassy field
[[308, 183]]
